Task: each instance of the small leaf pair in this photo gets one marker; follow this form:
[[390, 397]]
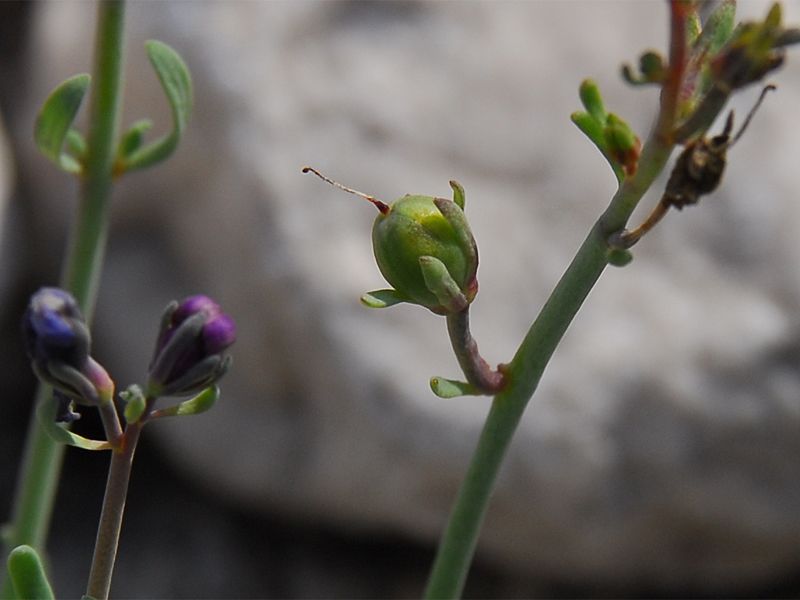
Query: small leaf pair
[[612, 136], [66, 147], [136, 404]]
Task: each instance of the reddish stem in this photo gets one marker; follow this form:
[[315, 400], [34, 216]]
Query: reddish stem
[[475, 368]]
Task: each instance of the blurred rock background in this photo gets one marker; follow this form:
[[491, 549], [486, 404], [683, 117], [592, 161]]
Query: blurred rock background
[[661, 454]]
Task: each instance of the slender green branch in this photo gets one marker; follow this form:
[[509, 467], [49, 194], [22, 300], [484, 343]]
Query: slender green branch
[[85, 257], [451, 566], [523, 373], [41, 466]]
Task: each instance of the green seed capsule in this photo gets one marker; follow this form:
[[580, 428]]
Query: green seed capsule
[[425, 250], [414, 228]]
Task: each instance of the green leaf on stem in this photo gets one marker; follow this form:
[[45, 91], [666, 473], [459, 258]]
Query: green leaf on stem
[[592, 128], [135, 403], [596, 132], [46, 413], [652, 70], [693, 24], [619, 257], [612, 136], [719, 26], [27, 574], [592, 100], [132, 139], [54, 120], [177, 84], [441, 284], [382, 298], [459, 196], [193, 406], [75, 143], [452, 388]]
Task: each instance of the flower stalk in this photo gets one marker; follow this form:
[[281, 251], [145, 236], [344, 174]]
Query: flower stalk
[[42, 457], [110, 525], [475, 368]]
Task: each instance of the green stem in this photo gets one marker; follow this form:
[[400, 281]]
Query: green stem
[[453, 558], [85, 257], [452, 562], [108, 530], [41, 466]]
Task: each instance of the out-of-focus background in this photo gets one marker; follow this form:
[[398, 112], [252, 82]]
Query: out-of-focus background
[[661, 454]]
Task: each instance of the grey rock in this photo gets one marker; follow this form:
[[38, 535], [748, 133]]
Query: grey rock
[[662, 443]]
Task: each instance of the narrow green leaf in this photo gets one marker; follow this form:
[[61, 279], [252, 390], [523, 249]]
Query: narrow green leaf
[[459, 196], [55, 118], [177, 84], [592, 100], [693, 25], [382, 298], [772, 22], [193, 406], [46, 413], [595, 131], [75, 143], [718, 27], [134, 408], [133, 138], [619, 136], [592, 128], [452, 388], [27, 574], [458, 221], [441, 284]]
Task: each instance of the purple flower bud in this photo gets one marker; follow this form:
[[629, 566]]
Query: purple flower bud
[[189, 353], [57, 341], [54, 329]]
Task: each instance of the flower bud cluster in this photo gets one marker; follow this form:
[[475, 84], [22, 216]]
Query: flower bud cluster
[[189, 356]]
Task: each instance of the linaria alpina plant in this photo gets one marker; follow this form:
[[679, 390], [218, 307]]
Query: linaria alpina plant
[[423, 246]]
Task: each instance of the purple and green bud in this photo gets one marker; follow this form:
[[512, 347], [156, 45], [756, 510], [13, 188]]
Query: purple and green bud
[[425, 250], [190, 349], [58, 343]]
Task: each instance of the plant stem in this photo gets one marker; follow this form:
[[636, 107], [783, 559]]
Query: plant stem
[[453, 558], [108, 530], [452, 562], [85, 257], [475, 368], [111, 424], [41, 466]]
